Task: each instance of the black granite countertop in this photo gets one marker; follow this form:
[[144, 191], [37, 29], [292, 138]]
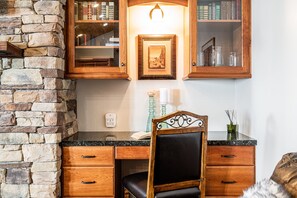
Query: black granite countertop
[[124, 139]]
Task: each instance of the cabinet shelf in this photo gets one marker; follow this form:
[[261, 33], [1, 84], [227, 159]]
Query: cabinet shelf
[[96, 47], [96, 21], [218, 21]]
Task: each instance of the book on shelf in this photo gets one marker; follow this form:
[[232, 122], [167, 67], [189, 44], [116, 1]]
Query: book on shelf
[[219, 10], [94, 10], [103, 10], [75, 10], [112, 44], [85, 10], [114, 39], [141, 135], [89, 10], [111, 10]]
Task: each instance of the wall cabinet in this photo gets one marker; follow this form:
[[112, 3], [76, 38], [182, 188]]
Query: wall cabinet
[[97, 39], [220, 39]]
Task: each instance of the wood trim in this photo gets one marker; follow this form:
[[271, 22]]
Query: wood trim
[[176, 186], [193, 33], [246, 35], [132, 152], [70, 37], [123, 35], [137, 2], [9, 50]]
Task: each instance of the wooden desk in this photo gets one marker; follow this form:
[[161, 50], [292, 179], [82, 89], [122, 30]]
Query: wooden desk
[[95, 158]]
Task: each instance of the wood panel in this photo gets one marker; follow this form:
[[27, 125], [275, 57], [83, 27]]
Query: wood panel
[[230, 155], [9, 50], [88, 156], [228, 180], [88, 181], [132, 152]]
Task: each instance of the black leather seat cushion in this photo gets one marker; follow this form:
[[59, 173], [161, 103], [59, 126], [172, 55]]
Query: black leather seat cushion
[[137, 183]]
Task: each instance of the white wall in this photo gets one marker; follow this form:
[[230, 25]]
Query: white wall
[[267, 103], [129, 98]]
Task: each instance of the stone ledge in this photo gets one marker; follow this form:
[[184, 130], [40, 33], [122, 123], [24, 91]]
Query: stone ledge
[[15, 164]]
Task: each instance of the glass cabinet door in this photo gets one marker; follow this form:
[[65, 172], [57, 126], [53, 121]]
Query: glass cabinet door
[[221, 35], [96, 37]]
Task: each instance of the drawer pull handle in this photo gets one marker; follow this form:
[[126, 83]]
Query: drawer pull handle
[[88, 156], [88, 182], [229, 182], [228, 156]]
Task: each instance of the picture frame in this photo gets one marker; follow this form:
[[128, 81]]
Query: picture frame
[[156, 56], [207, 51]]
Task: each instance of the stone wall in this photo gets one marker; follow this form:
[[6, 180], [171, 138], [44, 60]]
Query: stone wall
[[37, 105]]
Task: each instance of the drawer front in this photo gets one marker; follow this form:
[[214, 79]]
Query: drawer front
[[88, 156], [225, 180], [89, 181], [230, 155], [132, 152]]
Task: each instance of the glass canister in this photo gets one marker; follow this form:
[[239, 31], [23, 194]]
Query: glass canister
[[218, 56], [151, 111], [232, 59]]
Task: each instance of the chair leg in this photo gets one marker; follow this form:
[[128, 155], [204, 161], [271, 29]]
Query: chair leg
[[127, 194]]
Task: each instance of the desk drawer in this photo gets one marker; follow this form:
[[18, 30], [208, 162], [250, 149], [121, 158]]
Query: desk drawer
[[230, 155], [88, 181], [228, 180], [88, 156], [132, 152]]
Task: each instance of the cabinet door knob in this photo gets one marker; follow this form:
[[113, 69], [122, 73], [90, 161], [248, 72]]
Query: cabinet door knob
[[123, 64], [228, 156], [193, 63], [88, 156], [88, 182], [228, 182]]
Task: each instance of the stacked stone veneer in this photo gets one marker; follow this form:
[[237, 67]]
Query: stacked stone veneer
[[37, 105]]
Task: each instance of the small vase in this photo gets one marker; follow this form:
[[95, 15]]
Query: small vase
[[231, 128], [151, 111]]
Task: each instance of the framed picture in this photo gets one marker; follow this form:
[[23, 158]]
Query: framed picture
[[156, 56]]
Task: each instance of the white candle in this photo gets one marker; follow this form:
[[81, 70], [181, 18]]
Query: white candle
[[163, 96]]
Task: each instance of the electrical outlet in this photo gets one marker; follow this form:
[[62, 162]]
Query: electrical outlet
[[110, 120]]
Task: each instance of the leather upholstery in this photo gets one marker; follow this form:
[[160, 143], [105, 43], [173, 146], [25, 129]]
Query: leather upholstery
[[177, 158], [137, 184], [285, 173]]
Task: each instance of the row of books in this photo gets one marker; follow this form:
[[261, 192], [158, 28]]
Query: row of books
[[219, 10], [86, 10]]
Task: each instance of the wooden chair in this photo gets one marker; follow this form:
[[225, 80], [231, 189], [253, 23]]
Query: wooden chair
[[177, 159]]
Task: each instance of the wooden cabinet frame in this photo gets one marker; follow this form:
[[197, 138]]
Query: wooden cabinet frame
[[194, 71], [102, 72]]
